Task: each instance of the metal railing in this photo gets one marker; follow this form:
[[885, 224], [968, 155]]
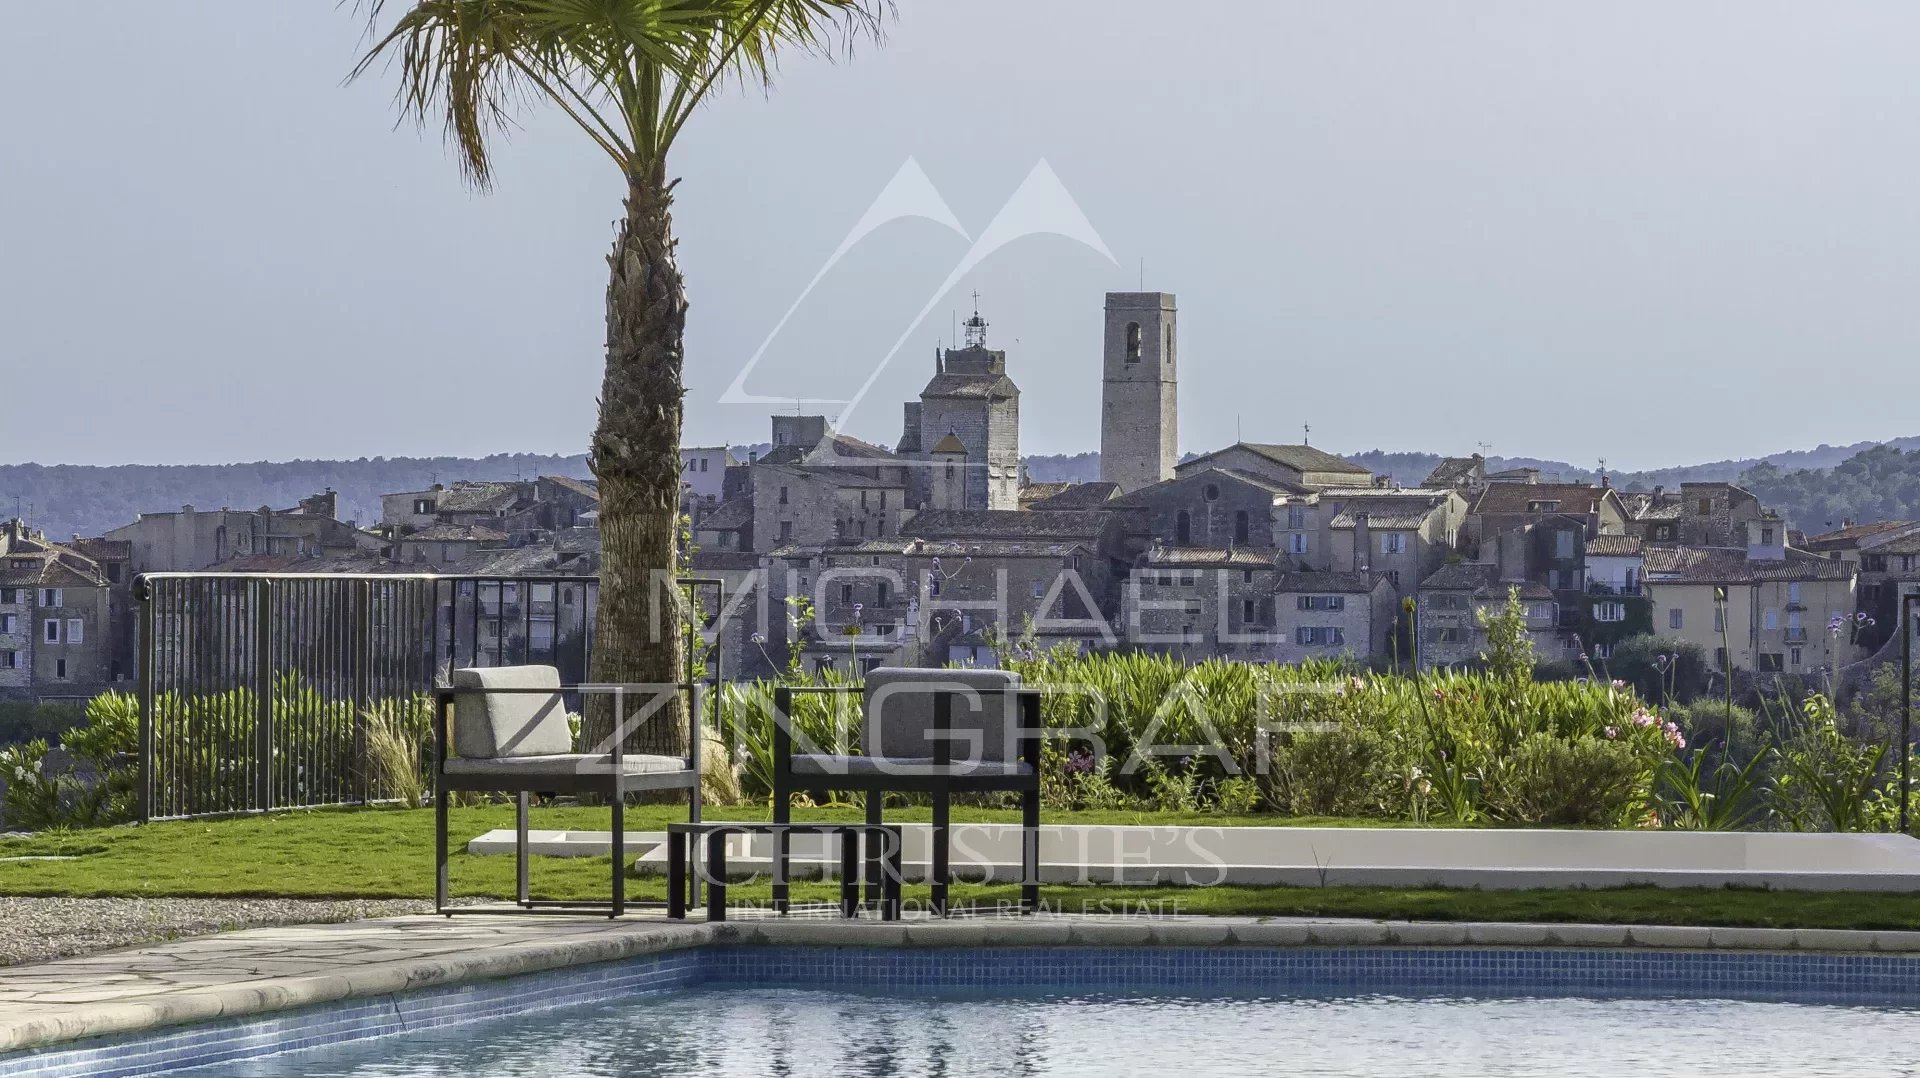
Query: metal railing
[[258, 691]]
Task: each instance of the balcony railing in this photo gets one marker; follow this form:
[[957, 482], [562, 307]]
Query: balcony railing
[[1609, 587], [1796, 636], [256, 690]]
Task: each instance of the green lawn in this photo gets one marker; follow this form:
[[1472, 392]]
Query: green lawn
[[387, 853]]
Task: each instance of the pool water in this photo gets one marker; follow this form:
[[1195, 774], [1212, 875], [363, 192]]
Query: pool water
[[732, 1031]]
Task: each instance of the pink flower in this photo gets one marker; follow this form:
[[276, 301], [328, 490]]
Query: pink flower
[[1642, 719], [1673, 729], [1612, 732], [1618, 684]]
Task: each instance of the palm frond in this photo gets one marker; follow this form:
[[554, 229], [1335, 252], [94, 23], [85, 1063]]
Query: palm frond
[[628, 72]]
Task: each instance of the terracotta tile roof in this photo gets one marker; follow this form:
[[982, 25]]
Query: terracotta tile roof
[[1677, 564], [581, 487], [1523, 498], [1483, 580], [478, 497], [1388, 512], [1451, 470], [456, 533], [1327, 583], [1614, 546], [725, 559], [731, 515], [1004, 524], [1196, 557], [1847, 538], [1039, 492], [1072, 496]]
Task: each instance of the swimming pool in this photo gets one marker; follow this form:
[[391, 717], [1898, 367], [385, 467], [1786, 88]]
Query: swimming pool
[[732, 1031], [744, 1009]]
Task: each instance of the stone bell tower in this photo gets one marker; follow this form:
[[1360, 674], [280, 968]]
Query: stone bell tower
[[1139, 443]]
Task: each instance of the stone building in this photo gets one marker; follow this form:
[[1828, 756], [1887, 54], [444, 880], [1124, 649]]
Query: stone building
[[1211, 508], [817, 486], [1507, 506], [954, 587], [57, 619], [1333, 615], [1202, 602], [527, 510], [1139, 408], [1885, 557], [703, 472], [188, 540], [1400, 534], [1453, 600], [1467, 475], [970, 399], [1777, 604], [1699, 514]]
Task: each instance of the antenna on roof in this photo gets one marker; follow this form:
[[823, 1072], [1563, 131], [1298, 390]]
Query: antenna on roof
[[1306, 429], [1486, 448]]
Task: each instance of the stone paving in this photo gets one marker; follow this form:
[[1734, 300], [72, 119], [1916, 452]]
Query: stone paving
[[269, 969]]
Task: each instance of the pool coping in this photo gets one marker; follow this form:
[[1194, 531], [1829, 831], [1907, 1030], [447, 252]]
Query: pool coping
[[609, 941]]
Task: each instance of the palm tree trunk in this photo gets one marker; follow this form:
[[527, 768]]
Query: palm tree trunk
[[636, 458]]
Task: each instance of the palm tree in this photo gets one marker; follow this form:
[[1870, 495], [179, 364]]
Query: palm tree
[[630, 73]]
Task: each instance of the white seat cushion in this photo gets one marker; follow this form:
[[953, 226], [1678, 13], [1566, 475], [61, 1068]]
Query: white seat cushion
[[570, 763], [490, 725]]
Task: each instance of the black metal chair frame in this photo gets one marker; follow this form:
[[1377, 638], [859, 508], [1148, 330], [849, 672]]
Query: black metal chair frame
[[877, 785], [613, 783], [713, 871]]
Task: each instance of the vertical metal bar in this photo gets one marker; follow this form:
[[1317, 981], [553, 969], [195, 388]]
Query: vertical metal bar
[[263, 701], [143, 654], [1906, 703]]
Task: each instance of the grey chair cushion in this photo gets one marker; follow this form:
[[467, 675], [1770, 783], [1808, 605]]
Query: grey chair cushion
[[572, 763], [899, 713], [489, 725], [834, 766]]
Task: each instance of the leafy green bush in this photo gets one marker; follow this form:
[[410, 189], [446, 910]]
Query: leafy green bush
[[22, 721], [1583, 782]]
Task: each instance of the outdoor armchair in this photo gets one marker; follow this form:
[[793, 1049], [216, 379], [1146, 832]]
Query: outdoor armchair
[[932, 731], [505, 729]]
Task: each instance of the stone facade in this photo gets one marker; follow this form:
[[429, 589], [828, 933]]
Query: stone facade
[[1139, 409], [188, 541], [1454, 599], [1202, 603], [1333, 615], [1209, 507], [57, 619]]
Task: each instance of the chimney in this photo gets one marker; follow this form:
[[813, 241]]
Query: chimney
[[1605, 481], [1362, 542]]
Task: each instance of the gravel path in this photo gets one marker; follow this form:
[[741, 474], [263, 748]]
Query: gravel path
[[38, 929]]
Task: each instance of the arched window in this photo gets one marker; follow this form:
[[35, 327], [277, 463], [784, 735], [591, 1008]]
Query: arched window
[[1133, 342], [1240, 528], [1183, 528]]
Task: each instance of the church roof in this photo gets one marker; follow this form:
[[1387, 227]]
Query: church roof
[[960, 386]]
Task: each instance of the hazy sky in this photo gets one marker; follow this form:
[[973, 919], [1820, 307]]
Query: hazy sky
[[1654, 232]]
